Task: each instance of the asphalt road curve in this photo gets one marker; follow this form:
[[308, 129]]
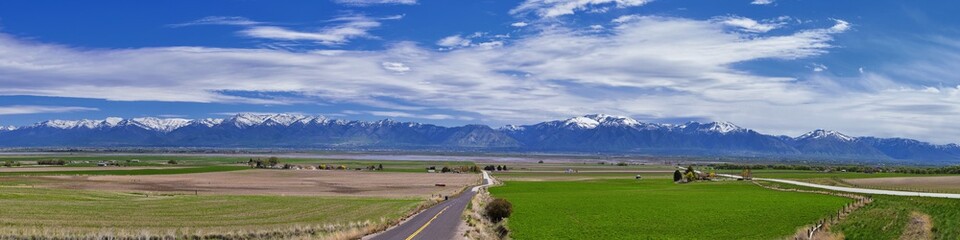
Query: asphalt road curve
[[436, 223]]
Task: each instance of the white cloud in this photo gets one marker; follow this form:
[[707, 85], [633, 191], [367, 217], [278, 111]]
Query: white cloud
[[375, 2], [342, 30], [762, 2], [454, 41], [519, 24], [395, 114], [556, 8], [33, 109], [396, 67], [750, 25], [650, 66], [840, 26], [218, 20], [346, 28], [625, 19], [817, 67]]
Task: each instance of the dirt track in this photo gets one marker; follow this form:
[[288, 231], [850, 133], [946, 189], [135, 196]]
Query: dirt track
[[276, 182]]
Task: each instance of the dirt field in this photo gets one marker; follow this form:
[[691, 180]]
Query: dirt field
[[57, 169], [939, 184], [275, 182]]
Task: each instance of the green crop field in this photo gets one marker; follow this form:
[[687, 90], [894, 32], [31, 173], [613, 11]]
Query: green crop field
[[658, 209], [28, 211]]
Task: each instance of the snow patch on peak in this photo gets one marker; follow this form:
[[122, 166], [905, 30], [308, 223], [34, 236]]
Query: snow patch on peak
[[512, 127], [582, 122], [67, 124], [209, 122], [112, 121], [284, 119], [159, 124], [7, 128], [723, 127], [717, 127], [820, 134], [242, 120], [609, 120]]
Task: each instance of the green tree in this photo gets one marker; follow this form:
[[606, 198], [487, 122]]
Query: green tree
[[273, 161], [498, 209]]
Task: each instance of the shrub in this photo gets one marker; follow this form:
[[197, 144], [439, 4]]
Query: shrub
[[273, 161], [52, 162], [172, 162], [498, 209], [10, 163]]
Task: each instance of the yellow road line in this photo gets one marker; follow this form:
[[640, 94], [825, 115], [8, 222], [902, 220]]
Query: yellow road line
[[426, 224]]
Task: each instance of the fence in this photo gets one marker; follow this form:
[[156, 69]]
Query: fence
[[823, 224]]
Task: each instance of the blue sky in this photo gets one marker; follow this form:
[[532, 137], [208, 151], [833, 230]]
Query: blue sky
[[882, 68]]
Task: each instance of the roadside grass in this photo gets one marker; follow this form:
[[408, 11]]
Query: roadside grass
[[887, 216], [658, 209], [155, 171], [72, 213]]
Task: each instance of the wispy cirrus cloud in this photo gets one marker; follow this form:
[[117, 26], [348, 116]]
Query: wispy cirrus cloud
[[35, 109], [218, 20], [762, 2], [364, 3], [339, 30], [556, 8], [750, 25]]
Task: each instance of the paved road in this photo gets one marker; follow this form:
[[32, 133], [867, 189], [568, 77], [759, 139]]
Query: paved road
[[438, 222], [854, 190]]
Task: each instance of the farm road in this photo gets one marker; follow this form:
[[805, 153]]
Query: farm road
[[438, 222]]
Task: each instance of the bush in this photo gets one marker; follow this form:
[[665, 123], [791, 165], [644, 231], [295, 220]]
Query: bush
[[9, 163], [172, 162], [52, 162], [273, 161], [498, 209]]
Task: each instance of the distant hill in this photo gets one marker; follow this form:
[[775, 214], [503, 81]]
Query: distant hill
[[588, 134]]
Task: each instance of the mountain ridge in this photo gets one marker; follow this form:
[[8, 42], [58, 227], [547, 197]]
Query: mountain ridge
[[588, 133]]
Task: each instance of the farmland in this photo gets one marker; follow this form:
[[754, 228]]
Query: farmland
[[58, 212], [805, 175], [889, 217], [658, 208], [948, 184], [212, 196]]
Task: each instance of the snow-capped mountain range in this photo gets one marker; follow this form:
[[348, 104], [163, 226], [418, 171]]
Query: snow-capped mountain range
[[589, 133]]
